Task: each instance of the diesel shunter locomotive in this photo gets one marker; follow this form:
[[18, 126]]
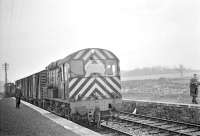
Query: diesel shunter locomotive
[[82, 86]]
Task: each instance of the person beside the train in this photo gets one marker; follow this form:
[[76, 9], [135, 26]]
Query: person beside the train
[[194, 83], [18, 95]]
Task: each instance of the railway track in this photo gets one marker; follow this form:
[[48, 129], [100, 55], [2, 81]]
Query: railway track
[[134, 124], [124, 123]]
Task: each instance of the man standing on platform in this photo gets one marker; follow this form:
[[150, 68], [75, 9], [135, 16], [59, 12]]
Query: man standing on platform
[[18, 96], [194, 83]]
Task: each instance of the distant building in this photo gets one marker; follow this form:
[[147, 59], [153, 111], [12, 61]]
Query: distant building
[[10, 89]]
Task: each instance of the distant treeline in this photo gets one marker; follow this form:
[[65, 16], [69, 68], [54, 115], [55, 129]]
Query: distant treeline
[[156, 70]]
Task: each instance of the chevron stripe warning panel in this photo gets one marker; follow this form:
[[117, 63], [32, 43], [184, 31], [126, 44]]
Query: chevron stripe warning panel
[[97, 87]]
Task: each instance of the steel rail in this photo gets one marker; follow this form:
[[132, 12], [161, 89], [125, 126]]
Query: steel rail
[[157, 123], [156, 118], [116, 129], [131, 129]]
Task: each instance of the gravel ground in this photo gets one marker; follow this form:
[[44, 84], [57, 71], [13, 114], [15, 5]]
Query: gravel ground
[[26, 122]]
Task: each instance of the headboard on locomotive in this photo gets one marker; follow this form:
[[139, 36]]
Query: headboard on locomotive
[[86, 75]]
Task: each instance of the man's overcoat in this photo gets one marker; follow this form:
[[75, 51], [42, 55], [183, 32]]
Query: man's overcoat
[[194, 87]]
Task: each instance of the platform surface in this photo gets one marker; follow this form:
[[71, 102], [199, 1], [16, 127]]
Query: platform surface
[[30, 120]]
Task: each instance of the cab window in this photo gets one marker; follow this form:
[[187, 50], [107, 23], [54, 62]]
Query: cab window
[[111, 67], [94, 67], [76, 68]]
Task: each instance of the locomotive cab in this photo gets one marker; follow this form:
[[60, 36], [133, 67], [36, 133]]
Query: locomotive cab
[[88, 80], [85, 85]]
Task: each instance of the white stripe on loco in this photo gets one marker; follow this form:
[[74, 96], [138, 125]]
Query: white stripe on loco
[[109, 54], [76, 87], [103, 92], [86, 86], [92, 89], [86, 56], [72, 82], [118, 80], [79, 54], [105, 85], [100, 54], [113, 84]]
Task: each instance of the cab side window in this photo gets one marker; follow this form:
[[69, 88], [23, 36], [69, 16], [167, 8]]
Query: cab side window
[[76, 68], [111, 67]]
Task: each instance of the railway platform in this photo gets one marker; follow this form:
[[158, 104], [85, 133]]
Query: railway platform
[[30, 120], [182, 112]]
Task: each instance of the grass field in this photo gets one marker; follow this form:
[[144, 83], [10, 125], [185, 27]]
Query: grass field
[[162, 89]]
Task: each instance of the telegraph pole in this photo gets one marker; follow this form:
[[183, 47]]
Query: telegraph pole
[[5, 67]]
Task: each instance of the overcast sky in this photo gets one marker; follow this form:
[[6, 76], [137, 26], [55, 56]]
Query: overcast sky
[[142, 33]]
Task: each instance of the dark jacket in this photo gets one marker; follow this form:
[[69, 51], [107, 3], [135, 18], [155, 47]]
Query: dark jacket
[[194, 87], [18, 93]]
